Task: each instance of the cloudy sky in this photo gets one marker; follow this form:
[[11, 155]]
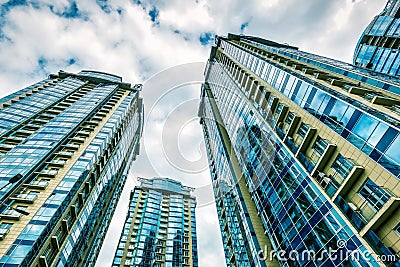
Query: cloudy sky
[[164, 45]]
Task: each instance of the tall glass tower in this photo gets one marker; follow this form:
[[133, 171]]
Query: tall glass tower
[[66, 146], [304, 154], [160, 227], [379, 46]]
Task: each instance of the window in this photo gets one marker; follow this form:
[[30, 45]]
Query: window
[[4, 229], [342, 166], [320, 145], [303, 129], [375, 195], [279, 109], [290, 118]]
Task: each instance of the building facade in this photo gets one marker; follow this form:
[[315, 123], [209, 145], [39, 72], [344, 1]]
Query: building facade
[[379, 46], [160, 227], [66, 146], [304, 155]]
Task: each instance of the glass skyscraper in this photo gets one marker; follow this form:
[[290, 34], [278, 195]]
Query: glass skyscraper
[[160, 227], [304, 155], [66, 146], [379, 46]]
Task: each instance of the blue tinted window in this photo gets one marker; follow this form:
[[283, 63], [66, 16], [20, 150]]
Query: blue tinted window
[[387, 138], [365, 126], [394, 150], [377, 134], [317, 101]]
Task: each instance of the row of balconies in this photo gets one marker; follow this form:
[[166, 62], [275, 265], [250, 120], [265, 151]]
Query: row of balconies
[[30, 191], [29, 93], [311, 151], [378, 97]]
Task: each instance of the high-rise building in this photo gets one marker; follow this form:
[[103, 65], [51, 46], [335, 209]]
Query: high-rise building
[[66, 146], [379, 46], [160, 227], [304, 155]]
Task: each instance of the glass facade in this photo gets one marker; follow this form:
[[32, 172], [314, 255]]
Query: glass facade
[[72, 142], [160, 227], [304, 140], [379, 47]]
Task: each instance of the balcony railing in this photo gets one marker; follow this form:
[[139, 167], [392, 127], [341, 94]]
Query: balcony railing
[[291, 145], [328, 183], [10, 214], [306, 162], [25, 198], [41, 184], [375, 242], [280, 132]]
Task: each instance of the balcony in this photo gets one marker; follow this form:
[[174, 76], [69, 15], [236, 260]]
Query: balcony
[[41, 184], [351, 212], [328, 183], [46, 116], [30, 128], [375, 242], [4, 148], [10, 214], [53, 112], [57, 163], [15, 139], [79, 140], [65, 154], [388, 210], [23, 133], [39, 121], [349, 180], [324, 158], [48, 173], [72, 146], [3, 232], [25, 198], [84, 133]]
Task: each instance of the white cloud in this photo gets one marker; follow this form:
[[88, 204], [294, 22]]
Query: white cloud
[[126, 42]]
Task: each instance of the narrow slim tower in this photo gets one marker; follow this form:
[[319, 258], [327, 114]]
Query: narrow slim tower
[[160, 227], [66, 146], [304, 154]]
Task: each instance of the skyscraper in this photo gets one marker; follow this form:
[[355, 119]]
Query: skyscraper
[[160, 227], [304, 154], [66, 147], [379, 46]]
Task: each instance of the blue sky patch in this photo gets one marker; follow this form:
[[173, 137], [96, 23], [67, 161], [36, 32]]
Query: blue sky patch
[[104, 6], [244, 26], [42, 63], [69, 12], [153, 13], [6, 7], [206, 38]]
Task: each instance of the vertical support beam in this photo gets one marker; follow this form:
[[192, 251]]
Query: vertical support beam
[[306, 141], [259, 91], [324, 159], [293, 126]]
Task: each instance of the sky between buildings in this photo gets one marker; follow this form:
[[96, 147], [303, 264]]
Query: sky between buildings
[[164, 45]]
